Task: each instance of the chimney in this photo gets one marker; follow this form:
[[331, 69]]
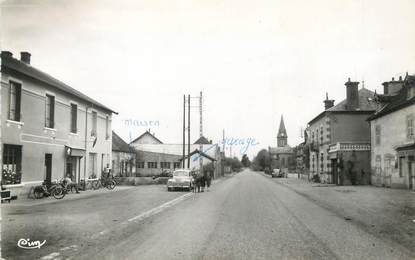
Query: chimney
[[392, 87], [328, 103], [6, 54], [25, 57], [352, 94]]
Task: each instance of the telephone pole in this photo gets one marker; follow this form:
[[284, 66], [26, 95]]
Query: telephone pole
[[184, 129], [201, 131], [188, 133]]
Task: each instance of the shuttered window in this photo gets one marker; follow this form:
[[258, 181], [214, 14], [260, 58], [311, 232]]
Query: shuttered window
[[50, 111], [74, 117], [14, 101]]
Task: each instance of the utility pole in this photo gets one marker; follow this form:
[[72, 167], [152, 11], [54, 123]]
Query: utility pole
[[201, 131], [184, 129], [188, 133]]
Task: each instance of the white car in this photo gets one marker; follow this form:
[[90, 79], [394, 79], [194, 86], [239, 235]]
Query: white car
[[182, 179]]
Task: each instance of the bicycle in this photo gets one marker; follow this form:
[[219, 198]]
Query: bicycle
[[57, 190], [104, 182]]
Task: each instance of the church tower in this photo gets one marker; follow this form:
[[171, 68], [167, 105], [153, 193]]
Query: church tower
[[282, 134]]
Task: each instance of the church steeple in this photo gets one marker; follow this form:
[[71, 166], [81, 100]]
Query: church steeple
[[282, 134]]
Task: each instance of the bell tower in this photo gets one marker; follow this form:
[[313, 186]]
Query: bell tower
[[282, 134]]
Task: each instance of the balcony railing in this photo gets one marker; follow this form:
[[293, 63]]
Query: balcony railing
[[347, 146]]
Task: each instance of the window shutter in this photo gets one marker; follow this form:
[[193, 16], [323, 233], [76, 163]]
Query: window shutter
[[52, 112], [18, 102]]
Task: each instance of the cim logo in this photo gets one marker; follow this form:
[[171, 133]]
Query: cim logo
[[27, 244]]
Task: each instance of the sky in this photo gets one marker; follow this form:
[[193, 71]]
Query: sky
[[253, 60]]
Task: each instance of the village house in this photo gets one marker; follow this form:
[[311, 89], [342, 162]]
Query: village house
[[123, 158], [393, 138], [155, 157], [49, 129], [339, 138], [282, 156]]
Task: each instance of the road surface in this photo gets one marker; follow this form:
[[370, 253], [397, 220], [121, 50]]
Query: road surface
[[248, 216]]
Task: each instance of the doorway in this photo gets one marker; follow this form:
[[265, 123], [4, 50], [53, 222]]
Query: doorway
[[48, 167], [411, 171], [334, 173]]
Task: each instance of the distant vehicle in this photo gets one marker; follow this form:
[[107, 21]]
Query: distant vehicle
[[182, 179], [277, 173]]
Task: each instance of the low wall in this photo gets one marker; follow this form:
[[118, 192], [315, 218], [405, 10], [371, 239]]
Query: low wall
[[134, 181]]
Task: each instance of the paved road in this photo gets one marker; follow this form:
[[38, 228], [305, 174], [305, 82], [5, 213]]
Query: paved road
[[248, 216]]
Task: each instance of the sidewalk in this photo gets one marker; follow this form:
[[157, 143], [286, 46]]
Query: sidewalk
[[387, 213], [24, 201]]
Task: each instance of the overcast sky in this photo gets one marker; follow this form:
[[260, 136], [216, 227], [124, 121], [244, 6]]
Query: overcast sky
[[253, 60]]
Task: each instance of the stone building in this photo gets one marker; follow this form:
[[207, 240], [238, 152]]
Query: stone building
[[123, 158], [49, 129], [339, 138], [393, 138], [282, 156]]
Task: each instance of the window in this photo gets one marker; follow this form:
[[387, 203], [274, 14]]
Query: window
[[74, 116], [107, 128], [12, 164], [50, 111], [152, 165], [176, 165], [377, 134], [14, 101], [410, 127], [94, 123], [321, 134], [378, 164], [401, 165], [92, 165], [165, 165], [140, 165]]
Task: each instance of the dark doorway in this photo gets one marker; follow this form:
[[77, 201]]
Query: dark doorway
[[334, 173], [48, 167], [411, 172]]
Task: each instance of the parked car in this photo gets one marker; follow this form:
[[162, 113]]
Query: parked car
[[277, 173], [182, 179]]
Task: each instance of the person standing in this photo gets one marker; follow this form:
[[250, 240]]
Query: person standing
[[208, 181]]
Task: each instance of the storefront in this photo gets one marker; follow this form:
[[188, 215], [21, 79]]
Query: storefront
[[73, 162], [406, 162]]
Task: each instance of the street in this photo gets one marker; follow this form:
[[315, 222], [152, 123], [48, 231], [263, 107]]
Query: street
[[247, 216]]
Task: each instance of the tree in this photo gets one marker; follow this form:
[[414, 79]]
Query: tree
[[262, 160], [245, 161]]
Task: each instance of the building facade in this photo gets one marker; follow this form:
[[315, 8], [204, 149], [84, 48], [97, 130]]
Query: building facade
[[123, 158], [392, 135], [48, 128], [155, 157], [282, 156], [339, 138]]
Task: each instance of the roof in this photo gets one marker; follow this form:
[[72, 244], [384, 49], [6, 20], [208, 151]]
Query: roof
[[366, 105], [144, 134], [201, 153], [398, 101], [119, 145], [282, 132], [203, 140], [10, 63]]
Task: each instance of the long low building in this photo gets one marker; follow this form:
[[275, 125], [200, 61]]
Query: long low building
[[49, 129]]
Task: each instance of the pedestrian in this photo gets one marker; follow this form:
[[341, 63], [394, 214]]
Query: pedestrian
[[208, 181]]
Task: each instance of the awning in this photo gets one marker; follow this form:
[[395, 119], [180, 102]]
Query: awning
[[74, 151]]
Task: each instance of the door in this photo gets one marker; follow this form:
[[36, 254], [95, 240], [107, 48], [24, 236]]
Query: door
[[334, 173], [411, 172], [48, 167]]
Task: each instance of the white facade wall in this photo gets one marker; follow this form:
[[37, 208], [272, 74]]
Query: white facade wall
[[384, 158]]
